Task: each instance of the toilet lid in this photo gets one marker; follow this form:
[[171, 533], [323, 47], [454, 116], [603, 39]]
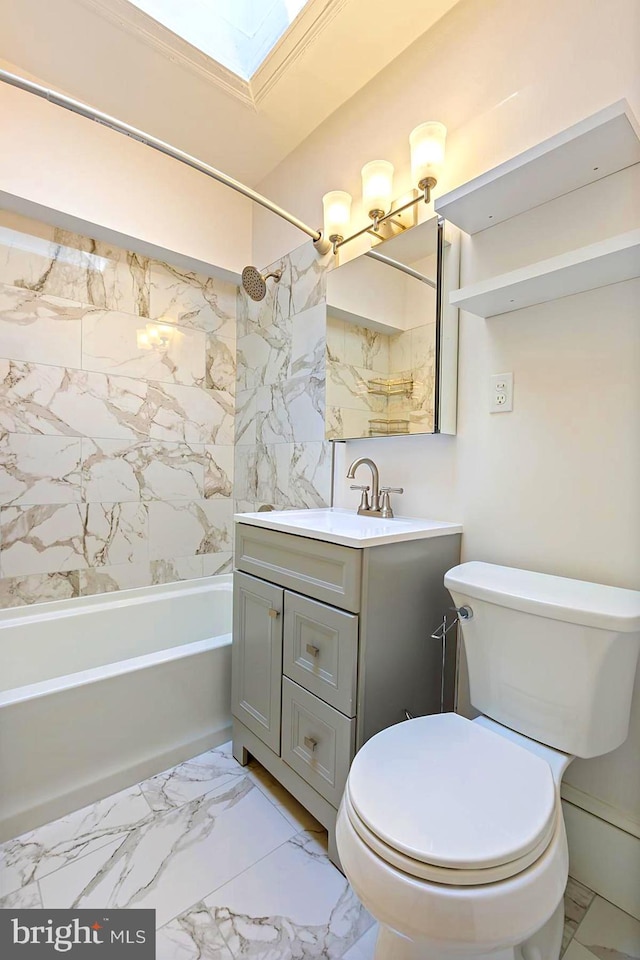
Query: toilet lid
[[445, 791]]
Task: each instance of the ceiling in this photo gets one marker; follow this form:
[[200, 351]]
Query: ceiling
[[111, 55]]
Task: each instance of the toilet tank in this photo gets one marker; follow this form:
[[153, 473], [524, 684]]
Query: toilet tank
[[552, 658]]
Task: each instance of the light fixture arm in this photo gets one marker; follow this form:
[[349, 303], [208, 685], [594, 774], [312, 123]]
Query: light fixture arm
[[426, 186]]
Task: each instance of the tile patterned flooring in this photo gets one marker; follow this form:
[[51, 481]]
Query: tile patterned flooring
[[234, 868]]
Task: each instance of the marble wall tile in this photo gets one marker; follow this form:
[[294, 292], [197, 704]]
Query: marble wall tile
[[290, 475], [264, 356], [38, 588], [52, 538], [184, 529], [347, 386], [366, 349], [127, 576], [218, 471], [290, 411], [246, 416], [39, 469], [191, 299], [346, 422], [220, 363], [35, 398], [65, 264], [217, 563], [335, 336], [39, 329], [110, 345], [150, 425], [308, 338], [143, 470], [195, 415]]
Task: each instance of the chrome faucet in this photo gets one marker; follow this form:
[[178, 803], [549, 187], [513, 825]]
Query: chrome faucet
[[379, 506]]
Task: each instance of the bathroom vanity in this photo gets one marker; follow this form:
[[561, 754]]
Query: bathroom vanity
[[332, 624]]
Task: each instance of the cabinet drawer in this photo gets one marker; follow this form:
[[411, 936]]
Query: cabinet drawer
[[317, 741], [321, 650], [324, 571]]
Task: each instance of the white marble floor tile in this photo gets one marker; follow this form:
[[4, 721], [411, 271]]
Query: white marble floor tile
[[292, 904], [25, 898], [576, 952], [192, 936], [577, 899], [190, 780], [364, 948], [609, 933], [45, 849], [174, 860], [289, 807]]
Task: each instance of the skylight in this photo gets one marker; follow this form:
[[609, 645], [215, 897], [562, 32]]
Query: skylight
[[239, 34]]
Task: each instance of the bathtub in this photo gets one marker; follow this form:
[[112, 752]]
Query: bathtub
[[98, 693]]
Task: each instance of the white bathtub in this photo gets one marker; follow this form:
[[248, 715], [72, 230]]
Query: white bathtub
[[101, 692]]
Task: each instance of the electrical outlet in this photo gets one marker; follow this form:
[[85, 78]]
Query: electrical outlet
[[501, 398]]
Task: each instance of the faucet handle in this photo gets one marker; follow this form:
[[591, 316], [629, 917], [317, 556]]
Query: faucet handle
[[364, 499], [385, 504]]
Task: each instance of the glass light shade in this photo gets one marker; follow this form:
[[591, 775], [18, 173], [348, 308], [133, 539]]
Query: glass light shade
[[377, 186], [337, 213], [427, 151]]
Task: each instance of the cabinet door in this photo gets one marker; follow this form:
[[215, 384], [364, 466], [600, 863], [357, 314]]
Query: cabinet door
[[256, 677]]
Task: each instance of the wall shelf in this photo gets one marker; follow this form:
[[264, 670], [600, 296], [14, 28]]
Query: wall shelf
[[603, 144], [599, 264]]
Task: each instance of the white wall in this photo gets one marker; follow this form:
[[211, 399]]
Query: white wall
[[554, 485], [75, 173]]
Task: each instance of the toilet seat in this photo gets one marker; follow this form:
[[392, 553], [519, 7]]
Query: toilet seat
[[447, 800]]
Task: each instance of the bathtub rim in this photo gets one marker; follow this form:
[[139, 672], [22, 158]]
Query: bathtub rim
[[57, 609]]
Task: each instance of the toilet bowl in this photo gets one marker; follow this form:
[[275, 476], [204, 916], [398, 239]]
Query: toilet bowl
[[451, 830]]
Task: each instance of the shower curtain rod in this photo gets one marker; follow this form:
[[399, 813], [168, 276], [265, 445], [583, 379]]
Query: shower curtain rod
[[76, 106], [400, 266]]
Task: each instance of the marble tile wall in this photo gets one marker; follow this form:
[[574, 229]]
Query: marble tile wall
[[282, 459], [116, 453], [356, 355]]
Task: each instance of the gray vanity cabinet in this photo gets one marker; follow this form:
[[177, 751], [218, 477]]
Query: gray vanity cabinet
[[331, 644]]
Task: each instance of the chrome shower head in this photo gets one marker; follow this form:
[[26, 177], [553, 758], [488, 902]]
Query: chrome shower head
[[255, 283]]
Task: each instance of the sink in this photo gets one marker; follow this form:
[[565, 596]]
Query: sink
[[346, 527]]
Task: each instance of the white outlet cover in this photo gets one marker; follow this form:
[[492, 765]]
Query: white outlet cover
[[501, 395]]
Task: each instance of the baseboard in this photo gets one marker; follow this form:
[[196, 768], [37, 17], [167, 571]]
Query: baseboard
[[604, 857], [59, 806]]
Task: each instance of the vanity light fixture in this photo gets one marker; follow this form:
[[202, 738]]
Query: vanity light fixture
[[427, 159]]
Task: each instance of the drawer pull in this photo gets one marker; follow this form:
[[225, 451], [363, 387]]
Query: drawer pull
[[310, 743], [274, 614], [313, 651]]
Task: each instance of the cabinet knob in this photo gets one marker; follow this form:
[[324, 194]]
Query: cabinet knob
[[313, 651], [274, 614], [310, 743]]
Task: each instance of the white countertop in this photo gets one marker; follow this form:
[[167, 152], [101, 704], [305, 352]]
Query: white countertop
[[345, 527]]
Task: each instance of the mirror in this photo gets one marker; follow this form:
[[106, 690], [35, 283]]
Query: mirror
[[392, 338]]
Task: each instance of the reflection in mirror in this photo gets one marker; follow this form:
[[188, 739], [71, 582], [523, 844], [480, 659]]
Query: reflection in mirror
[[391, 344]]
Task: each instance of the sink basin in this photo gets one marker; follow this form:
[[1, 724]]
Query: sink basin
[[345, 527]]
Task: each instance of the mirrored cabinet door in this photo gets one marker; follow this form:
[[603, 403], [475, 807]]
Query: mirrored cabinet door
[[392, 338]]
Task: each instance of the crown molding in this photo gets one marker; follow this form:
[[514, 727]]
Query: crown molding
[[128, 17], [304, 31], [315, 16]]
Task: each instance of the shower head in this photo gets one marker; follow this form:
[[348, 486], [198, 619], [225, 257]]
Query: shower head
[[255, 283]]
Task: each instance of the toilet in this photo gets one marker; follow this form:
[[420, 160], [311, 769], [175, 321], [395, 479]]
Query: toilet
[[451, 830]]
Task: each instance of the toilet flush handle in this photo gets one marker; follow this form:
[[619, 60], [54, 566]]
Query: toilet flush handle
[[464, 613]]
